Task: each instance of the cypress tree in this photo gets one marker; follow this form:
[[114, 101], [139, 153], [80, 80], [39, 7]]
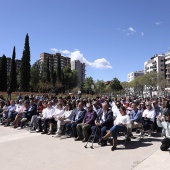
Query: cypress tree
[[52, 75], [25, 67], [3, 73], [13, 75], [59, 68]]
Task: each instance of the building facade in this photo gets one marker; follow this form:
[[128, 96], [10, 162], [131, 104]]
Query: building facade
[[156, 63], [133, 75], [53, 59], [80, 68], [8, 59]]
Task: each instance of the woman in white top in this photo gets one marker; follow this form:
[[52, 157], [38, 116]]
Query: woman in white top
[[65, 118], [121, 124]]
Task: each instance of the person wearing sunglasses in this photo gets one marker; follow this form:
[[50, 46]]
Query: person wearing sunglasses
[[164, 122]]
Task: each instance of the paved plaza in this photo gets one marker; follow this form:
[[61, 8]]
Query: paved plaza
[[33, 151]]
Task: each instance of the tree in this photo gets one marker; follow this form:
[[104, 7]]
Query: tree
[[126, 87], [35, 76], [59, 73], [3, 73], [87, 84], [138, 85], [25, 67], [48, 71], [115, 85], [150, 81], [100, 86], [162, 83], [53, 75], [13, 74], [70, 78]]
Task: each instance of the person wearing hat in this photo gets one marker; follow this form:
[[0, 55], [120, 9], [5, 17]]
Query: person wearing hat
[[164, 122]]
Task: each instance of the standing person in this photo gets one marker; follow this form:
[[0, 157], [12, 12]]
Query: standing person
[[9, 91]]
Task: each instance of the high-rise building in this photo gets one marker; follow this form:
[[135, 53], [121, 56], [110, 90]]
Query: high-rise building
[[53, 59], [80, 67], [167, 68], [8, 59], [156, 63], [133, 75]]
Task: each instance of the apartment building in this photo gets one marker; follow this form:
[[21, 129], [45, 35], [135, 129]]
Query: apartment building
[[131, 76], [8, 59], [80, 67], [53, 59], [156, 63], [167, 69]]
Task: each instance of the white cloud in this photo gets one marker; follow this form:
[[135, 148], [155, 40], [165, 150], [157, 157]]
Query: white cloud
[[100, 63], [142, 33], [65, 52], [158, 23], [54, 50], [131, 30], [128, 31]]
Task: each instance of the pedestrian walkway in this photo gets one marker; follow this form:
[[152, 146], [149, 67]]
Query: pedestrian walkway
[[31, 151]]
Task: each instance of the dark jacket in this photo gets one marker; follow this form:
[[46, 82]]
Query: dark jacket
[[80, 117], [108, 118], [32, 110]]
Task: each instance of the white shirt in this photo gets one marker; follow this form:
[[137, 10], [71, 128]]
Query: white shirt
[[123, 119], [58, 113], [18, 107], [149, 114], [115, 111], [48, 112], [68, 114]]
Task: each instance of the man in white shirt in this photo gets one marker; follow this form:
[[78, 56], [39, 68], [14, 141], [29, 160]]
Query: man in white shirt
[[47, 114]]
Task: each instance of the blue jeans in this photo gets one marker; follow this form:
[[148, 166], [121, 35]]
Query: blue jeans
[[116, 129]]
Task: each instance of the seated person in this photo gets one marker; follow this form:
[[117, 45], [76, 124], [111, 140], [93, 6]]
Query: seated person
[[97, 108], [58, 113], [34, 119], [164, 122], [20, 113], [88, 121], [148, 117], [8, 112], [47, 114], [135, 119], [32, 110], [78, 117], [121, 124], [104, 121], [65, 118]]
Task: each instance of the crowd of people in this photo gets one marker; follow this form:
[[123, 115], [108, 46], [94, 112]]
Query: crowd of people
[[77, 117]]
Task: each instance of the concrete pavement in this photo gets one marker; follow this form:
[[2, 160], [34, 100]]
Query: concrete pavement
[[32, 151]]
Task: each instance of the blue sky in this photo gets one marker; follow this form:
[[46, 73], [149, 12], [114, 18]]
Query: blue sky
[[113, 37]]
